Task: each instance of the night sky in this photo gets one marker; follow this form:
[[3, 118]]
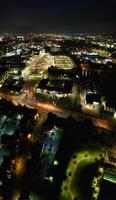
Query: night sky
[[58, 16]]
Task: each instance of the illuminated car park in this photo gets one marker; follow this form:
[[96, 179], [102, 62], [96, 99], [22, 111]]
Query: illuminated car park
[[64, 62]]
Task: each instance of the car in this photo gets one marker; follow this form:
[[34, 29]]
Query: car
[[8, 174]]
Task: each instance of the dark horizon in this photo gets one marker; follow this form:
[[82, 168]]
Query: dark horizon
[[53, 16]]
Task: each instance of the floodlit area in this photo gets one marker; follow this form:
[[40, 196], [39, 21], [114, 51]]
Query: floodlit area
[[63, 62], [38, 64], [72, 186]]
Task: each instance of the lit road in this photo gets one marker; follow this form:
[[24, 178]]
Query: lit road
[[42, 107], [15, 195], [20, 166]]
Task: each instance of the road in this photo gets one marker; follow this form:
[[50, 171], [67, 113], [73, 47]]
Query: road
[[43, 107]]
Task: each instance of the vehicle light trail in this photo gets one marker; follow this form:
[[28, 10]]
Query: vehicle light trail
[[45, 108]]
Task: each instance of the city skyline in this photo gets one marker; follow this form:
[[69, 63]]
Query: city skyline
[[57, 117]]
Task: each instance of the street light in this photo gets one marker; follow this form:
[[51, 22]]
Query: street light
[[51, 178], [55, 162], [29, 136]]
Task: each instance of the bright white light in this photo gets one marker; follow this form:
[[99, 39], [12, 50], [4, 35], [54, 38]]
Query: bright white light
[[95, 103], [115, 115], [55, 162], [51, 178]]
